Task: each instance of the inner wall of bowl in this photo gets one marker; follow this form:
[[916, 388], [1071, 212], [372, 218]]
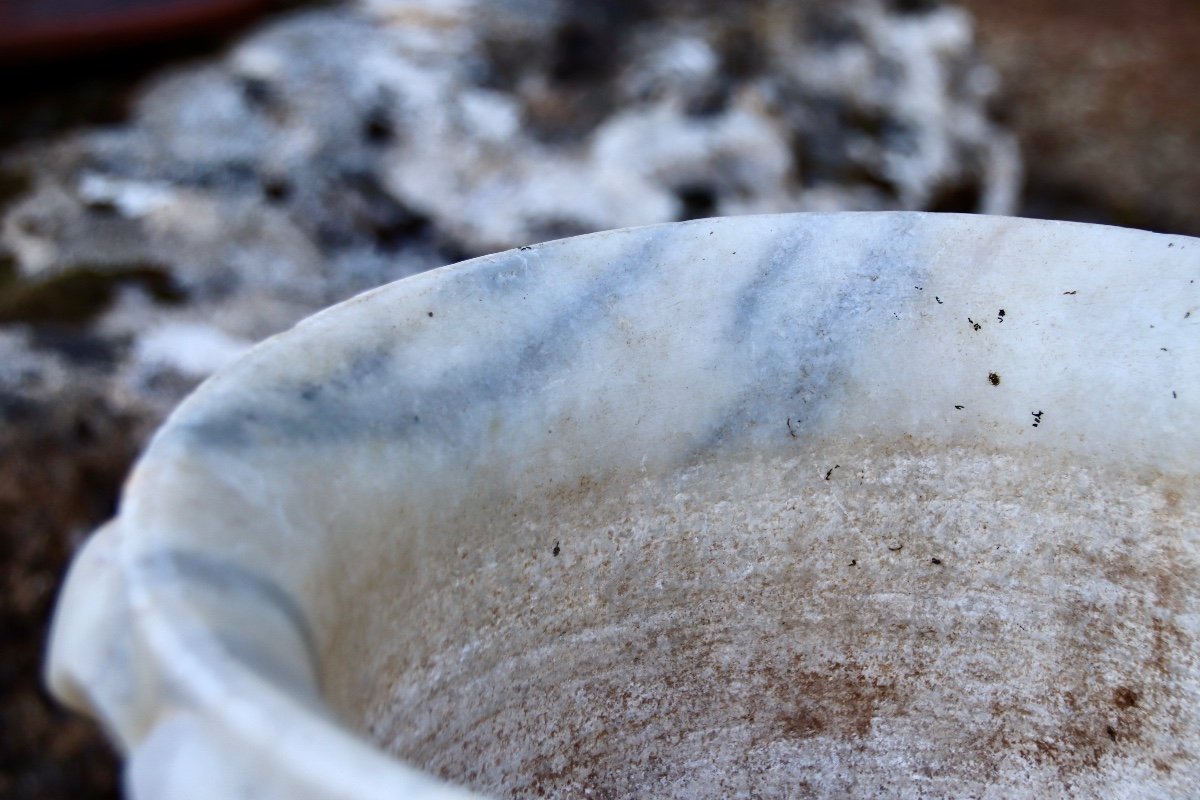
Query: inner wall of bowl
[[895, 617]]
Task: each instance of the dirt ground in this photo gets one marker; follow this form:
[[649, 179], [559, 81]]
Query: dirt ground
[[1102, 94], [54, 486]]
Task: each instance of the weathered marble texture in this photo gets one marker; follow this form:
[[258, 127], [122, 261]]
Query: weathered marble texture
[[887, 504]]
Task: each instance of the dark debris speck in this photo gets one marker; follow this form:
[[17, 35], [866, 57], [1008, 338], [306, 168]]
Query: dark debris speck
[[377, 128]]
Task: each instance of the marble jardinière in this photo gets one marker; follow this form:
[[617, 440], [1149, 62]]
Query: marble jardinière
[[834, 505]]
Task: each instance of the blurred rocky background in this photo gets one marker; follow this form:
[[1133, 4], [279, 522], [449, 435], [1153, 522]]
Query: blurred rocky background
[[169, 199]]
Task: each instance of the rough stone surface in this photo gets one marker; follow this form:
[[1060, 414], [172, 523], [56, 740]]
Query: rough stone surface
[[760, 630], [333, 150]]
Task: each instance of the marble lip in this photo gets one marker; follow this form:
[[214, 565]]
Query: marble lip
[[837, 505]]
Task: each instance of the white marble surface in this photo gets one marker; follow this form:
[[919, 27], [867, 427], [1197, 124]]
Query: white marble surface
[[288, 549]]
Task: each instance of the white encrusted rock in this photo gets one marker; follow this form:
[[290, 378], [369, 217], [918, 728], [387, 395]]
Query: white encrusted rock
[[334, 150]]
